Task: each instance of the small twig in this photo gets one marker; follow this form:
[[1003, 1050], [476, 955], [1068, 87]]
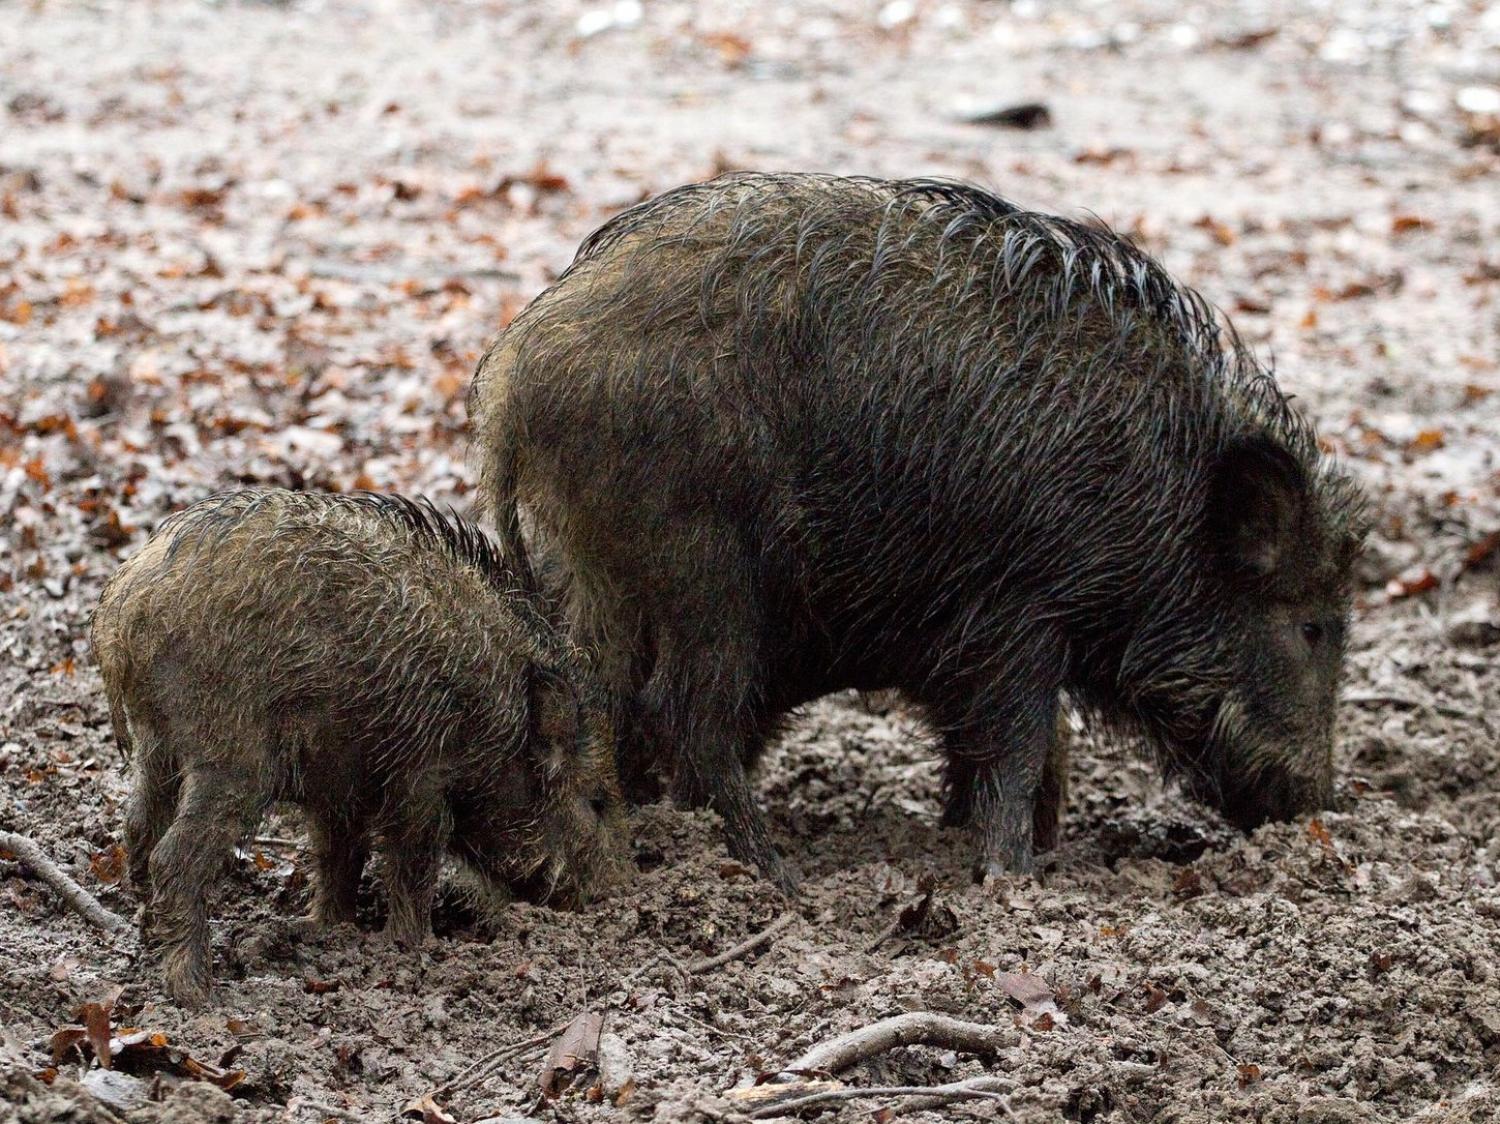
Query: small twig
[[720, 1031], [1416, 704], [978, 1084], [78, 899], [394, 273], [482, 1068], [273, 841], [298, 1104], [915, 1028], [698, 967], [977, 1088], [661, 956], [885, 934]]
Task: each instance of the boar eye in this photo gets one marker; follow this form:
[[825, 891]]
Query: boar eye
[[1312, 632]]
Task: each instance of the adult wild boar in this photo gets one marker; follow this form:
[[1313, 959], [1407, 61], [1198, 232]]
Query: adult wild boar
[[795, 433]]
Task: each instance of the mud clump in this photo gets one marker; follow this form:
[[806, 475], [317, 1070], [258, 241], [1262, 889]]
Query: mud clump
[[372, 660], [793, 434]]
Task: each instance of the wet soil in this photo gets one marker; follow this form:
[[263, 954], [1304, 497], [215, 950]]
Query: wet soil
[[267, 242]]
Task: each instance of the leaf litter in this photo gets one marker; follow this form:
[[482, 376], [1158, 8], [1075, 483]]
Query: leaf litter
[[207, 281]]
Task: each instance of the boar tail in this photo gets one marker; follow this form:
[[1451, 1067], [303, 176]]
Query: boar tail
[[117, 719], [506, 515]]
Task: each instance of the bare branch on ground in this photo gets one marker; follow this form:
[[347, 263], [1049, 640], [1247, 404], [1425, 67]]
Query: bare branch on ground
[[77, 898]]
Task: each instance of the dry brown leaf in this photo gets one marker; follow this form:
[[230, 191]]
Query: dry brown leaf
[[1410, 585], [1482, 550], [428, 1111], [94, 1015], [1427, 440], [1025, 988], [66, 1040], [109, 864], [575, 1049], [1221, 232], [733, 49]]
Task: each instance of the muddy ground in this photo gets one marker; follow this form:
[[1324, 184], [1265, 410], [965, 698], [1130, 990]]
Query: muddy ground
[[267, 243]]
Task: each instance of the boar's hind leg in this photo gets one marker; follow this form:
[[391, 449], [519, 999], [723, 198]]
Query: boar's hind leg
[[340, 848], [153, 804], [217, 808]]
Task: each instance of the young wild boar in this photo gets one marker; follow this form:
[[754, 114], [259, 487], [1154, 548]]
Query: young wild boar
[[372, 660], [796, 433]]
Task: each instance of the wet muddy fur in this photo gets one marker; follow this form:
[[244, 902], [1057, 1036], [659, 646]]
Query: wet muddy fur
[[370, 659], [789, 434]]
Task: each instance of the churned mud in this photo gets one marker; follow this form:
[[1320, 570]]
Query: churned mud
[[268, 242]]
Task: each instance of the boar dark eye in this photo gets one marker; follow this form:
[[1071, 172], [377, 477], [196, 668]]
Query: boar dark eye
[[1312, 632]]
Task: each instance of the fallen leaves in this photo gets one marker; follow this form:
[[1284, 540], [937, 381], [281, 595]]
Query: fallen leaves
[[575, 1051], [733, 50], [923, 918], [130, 1048], [1221, 232], [1038, 1002], [108, 865], [427, 1110], [1422, 579]]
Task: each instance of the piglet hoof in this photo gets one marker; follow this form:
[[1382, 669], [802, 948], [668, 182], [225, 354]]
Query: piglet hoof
[[188, 981], [781, 876], [992, 872], [408, 935]]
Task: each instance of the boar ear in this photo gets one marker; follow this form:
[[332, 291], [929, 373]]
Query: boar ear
[[1257, 495]]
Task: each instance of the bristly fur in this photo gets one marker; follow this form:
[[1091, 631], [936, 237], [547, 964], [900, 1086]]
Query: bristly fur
[[463, 540], [377, 662], [504, 567], [791, 433]]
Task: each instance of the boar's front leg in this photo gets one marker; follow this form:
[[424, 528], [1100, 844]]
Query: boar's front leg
[[413, 846], [959, 786], [218, 807], [1000, 738]]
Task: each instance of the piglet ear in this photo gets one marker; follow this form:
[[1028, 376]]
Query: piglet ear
[[1257, 497]]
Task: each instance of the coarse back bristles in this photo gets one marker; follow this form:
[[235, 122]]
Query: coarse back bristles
[[1076, 287]]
